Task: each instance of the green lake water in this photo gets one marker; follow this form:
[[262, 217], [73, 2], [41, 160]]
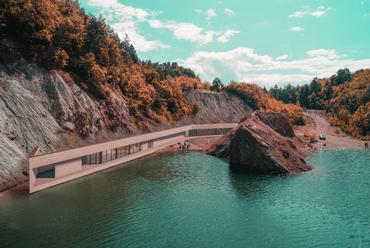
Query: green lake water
[[193, 200]]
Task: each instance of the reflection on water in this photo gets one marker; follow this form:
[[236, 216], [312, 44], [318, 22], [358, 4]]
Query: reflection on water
[[193, 200]]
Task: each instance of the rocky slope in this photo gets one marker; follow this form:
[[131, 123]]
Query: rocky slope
[[216, 108], [263, 143], [47, 109]]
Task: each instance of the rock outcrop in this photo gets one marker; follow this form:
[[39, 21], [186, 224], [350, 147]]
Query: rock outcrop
[[39, 108], [47, 109], [215, 108], [263, 143]]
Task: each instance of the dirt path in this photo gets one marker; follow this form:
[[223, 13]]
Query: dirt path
[[317, 123]]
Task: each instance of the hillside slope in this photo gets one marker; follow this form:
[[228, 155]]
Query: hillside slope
[[40, 108], [345, 96], [67, 79]]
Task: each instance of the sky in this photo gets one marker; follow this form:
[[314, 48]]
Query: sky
[[265, 42]]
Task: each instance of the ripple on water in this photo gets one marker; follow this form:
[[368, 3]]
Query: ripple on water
[[193, 200]]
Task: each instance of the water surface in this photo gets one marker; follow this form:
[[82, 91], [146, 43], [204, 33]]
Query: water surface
[[193, 200]]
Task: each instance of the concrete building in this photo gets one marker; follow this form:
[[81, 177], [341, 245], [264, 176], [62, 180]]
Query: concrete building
[[47, 170]]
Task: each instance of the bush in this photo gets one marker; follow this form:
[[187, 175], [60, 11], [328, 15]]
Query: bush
[[297, 119]]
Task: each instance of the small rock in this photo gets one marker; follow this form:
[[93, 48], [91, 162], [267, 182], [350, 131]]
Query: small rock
[[12, 135], [69, 126]]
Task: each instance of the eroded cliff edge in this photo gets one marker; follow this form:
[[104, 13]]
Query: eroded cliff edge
[[263, 143], [43, 108]]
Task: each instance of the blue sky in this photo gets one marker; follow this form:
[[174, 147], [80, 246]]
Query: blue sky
[[264, 41]]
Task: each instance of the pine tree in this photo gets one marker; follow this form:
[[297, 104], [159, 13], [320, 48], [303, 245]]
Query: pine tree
[[217, 84]]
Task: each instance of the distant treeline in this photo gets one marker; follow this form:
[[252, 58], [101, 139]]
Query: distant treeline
[[345, 96]]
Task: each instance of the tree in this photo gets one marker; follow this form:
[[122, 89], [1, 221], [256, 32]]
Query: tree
[[342, 76], [303, 95], [315, 86], [130, 51], [366, 96], [328, 92], [217, 85], [61, 58]]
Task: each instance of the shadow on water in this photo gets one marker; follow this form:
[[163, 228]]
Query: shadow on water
[[250, 186]]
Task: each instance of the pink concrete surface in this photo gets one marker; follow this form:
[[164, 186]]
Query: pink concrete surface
[[68, 163]]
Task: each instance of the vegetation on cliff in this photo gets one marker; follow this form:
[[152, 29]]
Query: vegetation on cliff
[[59, 35], [345, 97], [259, 99]]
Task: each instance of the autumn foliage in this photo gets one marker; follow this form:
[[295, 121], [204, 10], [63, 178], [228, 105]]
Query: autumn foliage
[[59, 35], [259, 99], [345, 96], [349, 108]]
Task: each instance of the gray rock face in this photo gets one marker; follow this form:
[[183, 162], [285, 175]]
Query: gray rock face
[[217, 108], [37, 109], [278, 122], [259, 147], [48, 110]]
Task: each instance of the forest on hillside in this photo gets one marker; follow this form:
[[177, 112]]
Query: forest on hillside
[[59, 35], [345, 96]]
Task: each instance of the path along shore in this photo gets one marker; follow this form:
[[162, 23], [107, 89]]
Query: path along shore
[[316, 124], [335, 138]]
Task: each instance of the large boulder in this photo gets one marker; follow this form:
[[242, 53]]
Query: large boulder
[[278, 122], [258, 146]]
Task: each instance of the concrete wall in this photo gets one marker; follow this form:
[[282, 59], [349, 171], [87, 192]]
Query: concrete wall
[[68, 162], [164, 141], [67, 168]]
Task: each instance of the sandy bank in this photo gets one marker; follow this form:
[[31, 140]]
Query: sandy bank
[[335, 138]]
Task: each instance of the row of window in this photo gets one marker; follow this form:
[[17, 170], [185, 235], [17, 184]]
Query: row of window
[[108, 155], [206, 132]]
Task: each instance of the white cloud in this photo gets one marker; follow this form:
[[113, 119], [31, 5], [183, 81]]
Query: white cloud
[[139, 41], [185, 31], [211, 13], [244, 64], [227, 35], [318, 12], [296, 29], [229, 12], [283, 57], [332, 54], [297, 14], [191, 32], [125, 20]]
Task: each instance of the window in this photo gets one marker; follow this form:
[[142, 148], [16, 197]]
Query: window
[[46, 172], [151, 144], [95, 158]]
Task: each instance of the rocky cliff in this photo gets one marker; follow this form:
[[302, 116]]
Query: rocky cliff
[[263, 143], [47, 109]]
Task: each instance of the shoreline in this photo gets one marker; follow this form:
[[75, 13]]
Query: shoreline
[[335, 140], [23, 187]]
